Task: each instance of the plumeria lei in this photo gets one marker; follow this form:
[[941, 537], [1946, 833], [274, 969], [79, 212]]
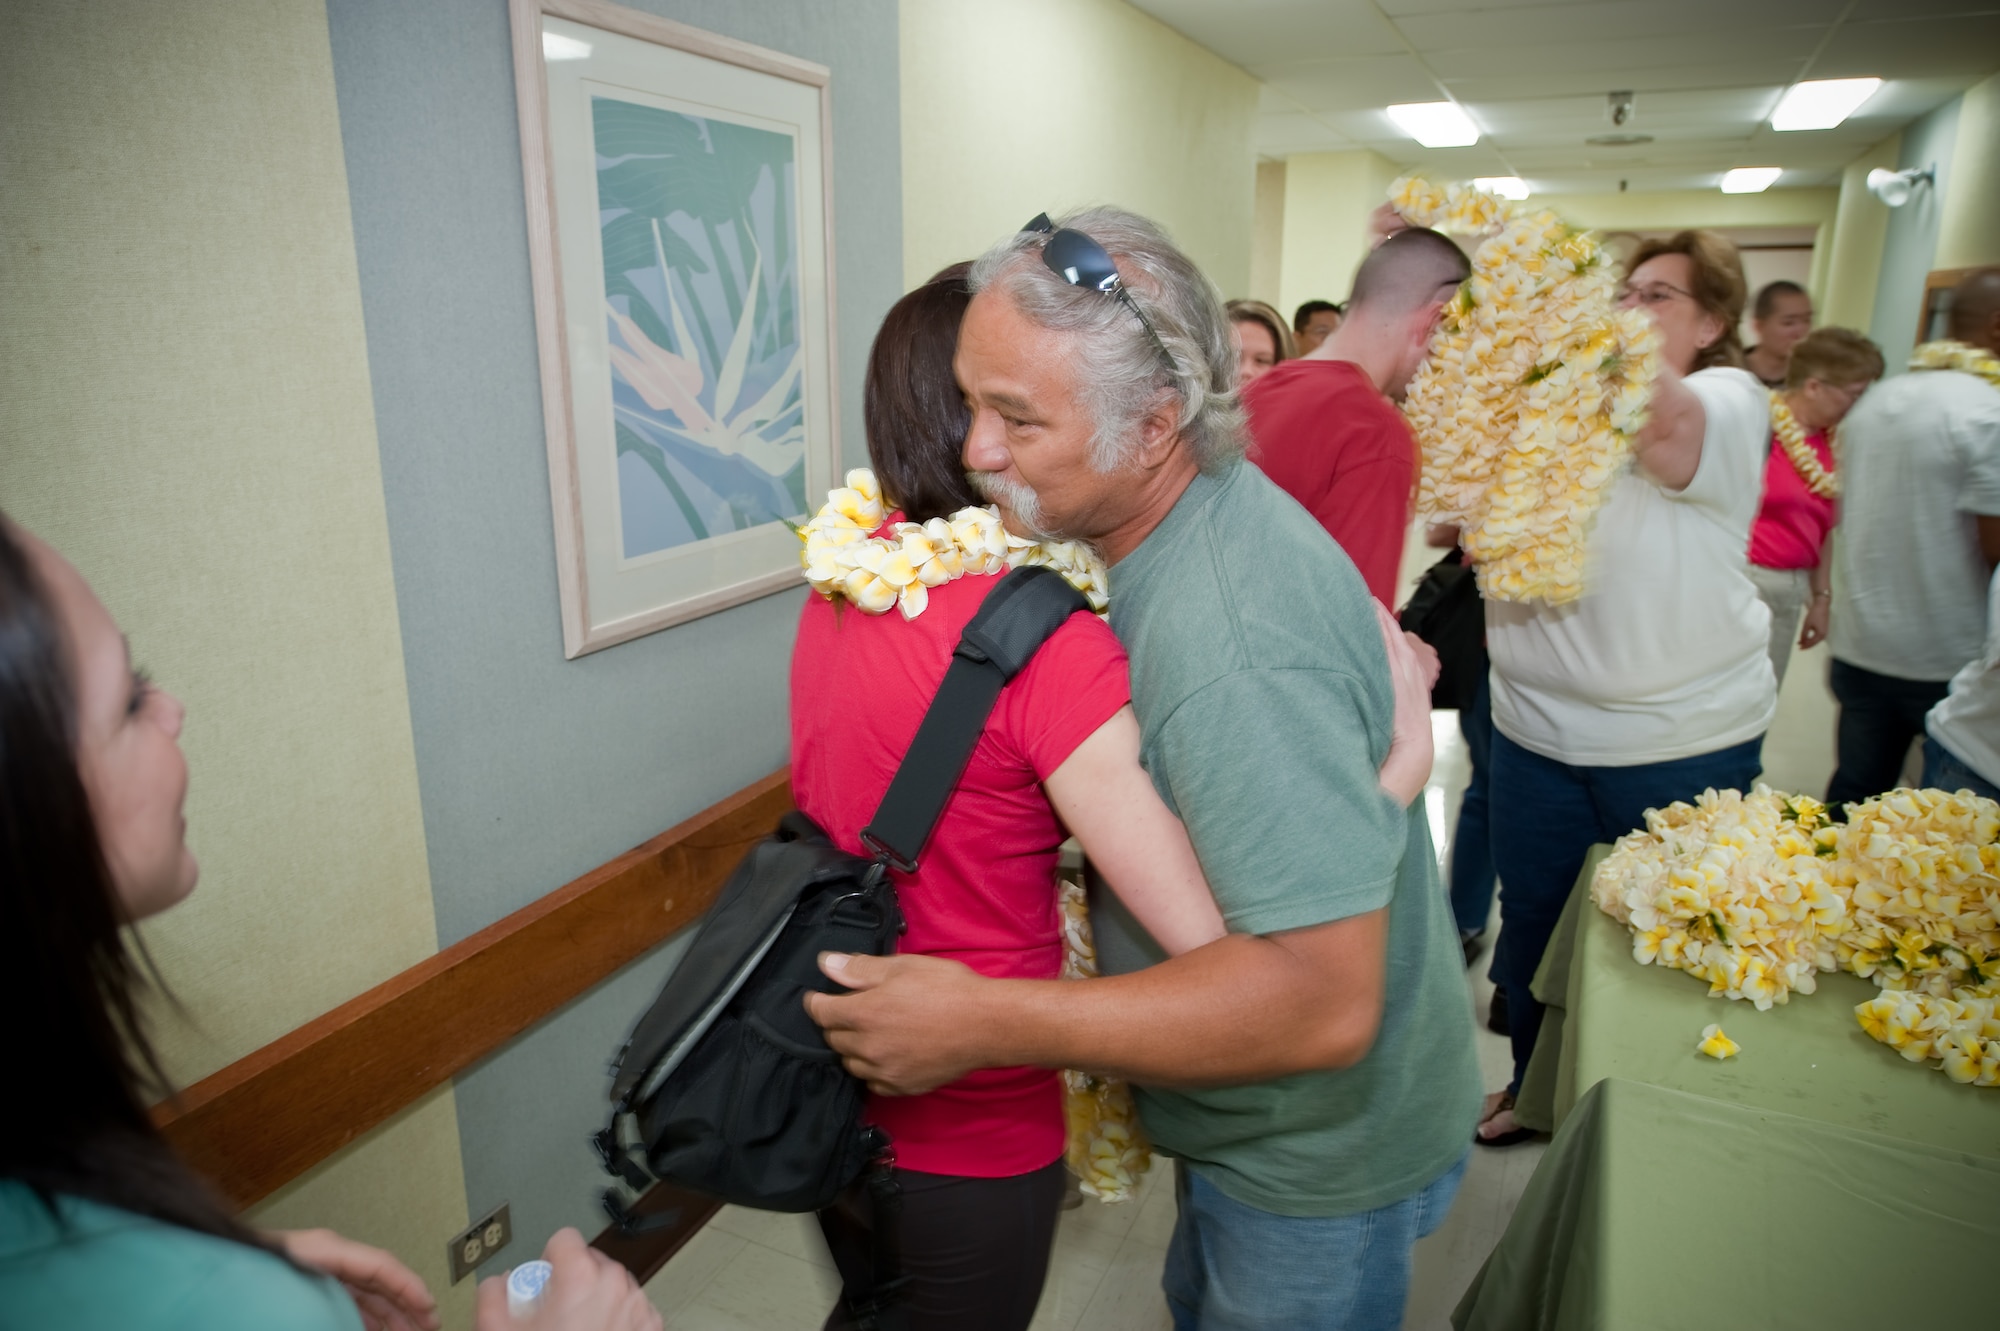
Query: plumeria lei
[[1966, 359], [1792, 438], [1756, 893], [1107, 1150], [1536, 384], [844, 557]]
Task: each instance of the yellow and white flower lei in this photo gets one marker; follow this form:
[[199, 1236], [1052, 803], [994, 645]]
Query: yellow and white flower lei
[[1966, 359], [843, 558], [1792, 438], [1756, 893], [1108, 1149], [1536, 384]]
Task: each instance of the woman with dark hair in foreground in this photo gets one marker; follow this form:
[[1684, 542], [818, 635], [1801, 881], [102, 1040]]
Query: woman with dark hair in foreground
[[101, 1225]]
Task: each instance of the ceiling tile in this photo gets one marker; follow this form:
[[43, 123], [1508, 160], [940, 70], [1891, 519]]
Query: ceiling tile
[[1252, 33], [1909, 48], [1626, 21]]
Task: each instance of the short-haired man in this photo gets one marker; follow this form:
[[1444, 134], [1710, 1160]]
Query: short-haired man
[[1314, 321], [1313, 1069], [1781, 315], [1325, 426], [1919, 536]]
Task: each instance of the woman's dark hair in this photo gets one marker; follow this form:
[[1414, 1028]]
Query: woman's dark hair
[[911, 403], [76, 1121]]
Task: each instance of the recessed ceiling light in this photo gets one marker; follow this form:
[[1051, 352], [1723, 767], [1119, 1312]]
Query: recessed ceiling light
[[1435, 124], [1507, 187], [1750, 179], [1823, 103], [555, 46], [1618, 140]]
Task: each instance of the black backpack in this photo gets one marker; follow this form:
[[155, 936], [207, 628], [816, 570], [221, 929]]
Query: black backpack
[[1445, 611], [725, 1085]]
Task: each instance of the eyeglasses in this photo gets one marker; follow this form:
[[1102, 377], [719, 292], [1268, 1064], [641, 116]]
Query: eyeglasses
[[1082, 262], [1656, 293]]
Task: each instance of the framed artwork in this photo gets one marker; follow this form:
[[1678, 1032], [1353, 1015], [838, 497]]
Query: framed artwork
[[1935, 321], [679, 224]]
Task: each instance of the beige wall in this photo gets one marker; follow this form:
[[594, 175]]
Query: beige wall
[[1267, 245], [189, 419], [1854, 256], [1328, 197], [1661, 209], [1969, 229], [1045, 105]]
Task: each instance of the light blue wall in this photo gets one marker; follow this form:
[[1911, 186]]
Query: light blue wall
[[1911, 241], [534, 769]]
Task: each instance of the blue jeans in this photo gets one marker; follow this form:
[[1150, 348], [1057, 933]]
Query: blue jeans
[[1472, 841], [1232, 1267], [1879, 716], [1944, 771], [1546, 817]]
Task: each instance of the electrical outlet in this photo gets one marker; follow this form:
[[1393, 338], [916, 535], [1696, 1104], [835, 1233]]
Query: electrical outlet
[[479, 1241]]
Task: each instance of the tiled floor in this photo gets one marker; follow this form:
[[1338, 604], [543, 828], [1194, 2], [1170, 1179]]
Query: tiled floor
[[753, 1271]]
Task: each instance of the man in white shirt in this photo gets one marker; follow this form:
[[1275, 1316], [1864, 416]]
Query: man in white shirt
[[1962, 740], [1919, 535]]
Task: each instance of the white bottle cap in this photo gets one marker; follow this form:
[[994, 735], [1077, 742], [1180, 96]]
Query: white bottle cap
[[524, 1287]]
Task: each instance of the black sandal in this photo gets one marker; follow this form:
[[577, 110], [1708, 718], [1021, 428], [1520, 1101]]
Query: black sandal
[[1509, 1138]]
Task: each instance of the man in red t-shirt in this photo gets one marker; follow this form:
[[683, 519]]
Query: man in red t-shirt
[[1324, 426]]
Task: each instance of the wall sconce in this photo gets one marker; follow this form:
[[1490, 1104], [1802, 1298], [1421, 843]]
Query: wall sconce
[[1896, 188]]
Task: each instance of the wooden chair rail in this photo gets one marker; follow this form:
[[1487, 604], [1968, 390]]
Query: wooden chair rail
[[267, 1118]]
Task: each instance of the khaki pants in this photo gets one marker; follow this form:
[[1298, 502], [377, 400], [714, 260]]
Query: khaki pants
[[1785, 590]]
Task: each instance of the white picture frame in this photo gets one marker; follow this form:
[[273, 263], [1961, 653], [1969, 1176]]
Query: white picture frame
[[680, 224]]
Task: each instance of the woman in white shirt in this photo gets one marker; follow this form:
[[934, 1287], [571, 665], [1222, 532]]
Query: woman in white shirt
[[1655, 685]]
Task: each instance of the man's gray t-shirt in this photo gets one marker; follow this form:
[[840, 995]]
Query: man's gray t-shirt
[[1266, 708]]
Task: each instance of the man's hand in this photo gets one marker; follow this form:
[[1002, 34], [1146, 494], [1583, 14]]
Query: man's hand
[[391, 1296], [1385, 222], [906, 1027]]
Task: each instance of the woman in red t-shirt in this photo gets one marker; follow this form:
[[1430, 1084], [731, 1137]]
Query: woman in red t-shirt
[[1791, 553], [980, 1160]]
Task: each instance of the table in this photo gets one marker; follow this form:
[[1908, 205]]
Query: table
[[1816, 1179]]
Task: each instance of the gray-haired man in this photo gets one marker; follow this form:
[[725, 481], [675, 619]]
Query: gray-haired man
[[1323, 1047]]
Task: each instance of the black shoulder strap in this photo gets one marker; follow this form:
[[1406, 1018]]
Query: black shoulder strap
[[1016, 618]]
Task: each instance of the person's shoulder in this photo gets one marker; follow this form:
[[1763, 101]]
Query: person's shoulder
[[1720, 384], [103, 1267], [1288, 585]]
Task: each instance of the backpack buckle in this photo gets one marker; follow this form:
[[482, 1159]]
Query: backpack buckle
[[886, 854]]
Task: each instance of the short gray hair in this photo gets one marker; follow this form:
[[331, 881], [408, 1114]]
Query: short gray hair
[[1120, 370]]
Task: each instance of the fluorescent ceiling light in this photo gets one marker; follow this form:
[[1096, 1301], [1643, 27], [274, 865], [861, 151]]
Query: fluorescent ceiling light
[[1823, 103], [1507, 187], [1750, 179], [1435, 124], [555, 46]]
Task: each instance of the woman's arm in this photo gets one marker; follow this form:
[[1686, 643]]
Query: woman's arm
[[1819, 610], [1669, 446], [1108, 802]]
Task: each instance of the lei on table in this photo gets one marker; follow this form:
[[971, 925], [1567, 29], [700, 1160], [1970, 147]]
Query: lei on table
[[843, 557], [1758, 893], [1108, 1149], [1949, 355], [1536, 384], [1792, 438]]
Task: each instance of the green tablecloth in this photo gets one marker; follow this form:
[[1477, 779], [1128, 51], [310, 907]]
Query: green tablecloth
[[1759, 1191]]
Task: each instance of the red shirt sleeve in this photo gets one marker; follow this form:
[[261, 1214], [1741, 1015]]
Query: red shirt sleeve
[[1073, 685]]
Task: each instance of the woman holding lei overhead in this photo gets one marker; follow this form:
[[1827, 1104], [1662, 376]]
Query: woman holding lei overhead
[[901, 558], [1791, 546]]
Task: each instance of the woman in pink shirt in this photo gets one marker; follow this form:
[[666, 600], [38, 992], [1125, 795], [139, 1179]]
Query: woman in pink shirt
[[979, 1160], [1791, 554]]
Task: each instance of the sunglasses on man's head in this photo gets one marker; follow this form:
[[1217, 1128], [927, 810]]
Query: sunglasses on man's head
[[1082, 262]]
